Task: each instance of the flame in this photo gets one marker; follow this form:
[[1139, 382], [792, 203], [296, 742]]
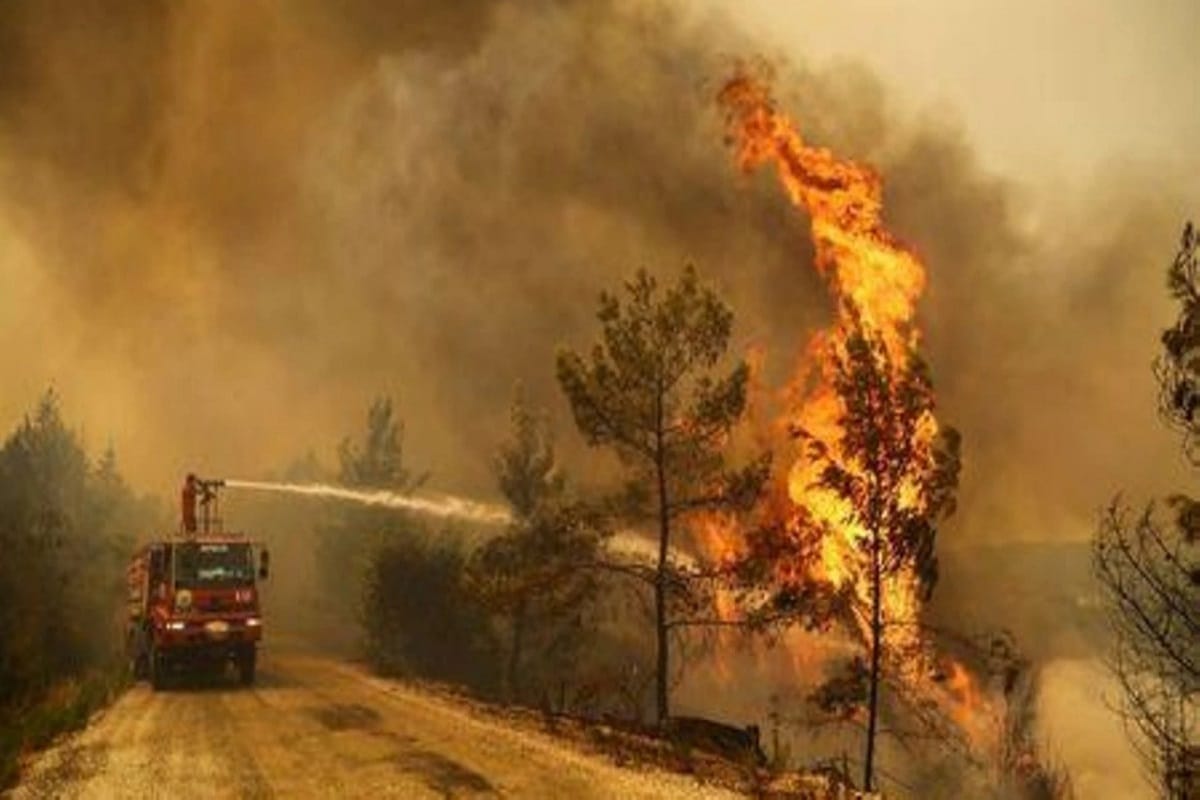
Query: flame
[[719, 538], [716, 535], [966, 697], [871, 276], [875, 283]]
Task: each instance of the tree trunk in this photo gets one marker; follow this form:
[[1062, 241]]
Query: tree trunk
[[660, 583], [876, 646], [514, 655], [660, 602]]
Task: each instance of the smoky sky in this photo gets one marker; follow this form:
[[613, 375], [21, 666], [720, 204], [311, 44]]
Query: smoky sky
[[1048, 90], [224, 229]]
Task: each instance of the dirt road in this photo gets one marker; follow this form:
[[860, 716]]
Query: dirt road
[[315, 727]]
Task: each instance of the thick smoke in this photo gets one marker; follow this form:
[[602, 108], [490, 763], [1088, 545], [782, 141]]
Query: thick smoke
[[224, 229]]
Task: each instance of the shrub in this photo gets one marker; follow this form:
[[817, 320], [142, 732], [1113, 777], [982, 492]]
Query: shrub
[[419, 620]]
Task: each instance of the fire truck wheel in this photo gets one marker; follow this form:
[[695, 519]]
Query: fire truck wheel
[[246, 663], [157, 669], [137, 658]]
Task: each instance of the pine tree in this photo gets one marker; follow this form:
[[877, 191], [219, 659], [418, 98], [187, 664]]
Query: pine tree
[[654, 391]]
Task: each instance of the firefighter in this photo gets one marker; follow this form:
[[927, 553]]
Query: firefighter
[[187, 499]]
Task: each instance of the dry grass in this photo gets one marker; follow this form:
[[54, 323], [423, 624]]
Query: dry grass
[[67, 706]]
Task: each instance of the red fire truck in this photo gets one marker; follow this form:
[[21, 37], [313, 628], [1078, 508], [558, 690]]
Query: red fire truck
[[193, 598]]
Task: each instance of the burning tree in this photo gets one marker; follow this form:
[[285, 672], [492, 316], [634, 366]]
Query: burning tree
[[876, 471], [1148, 567], [651, 390], [892, 483]]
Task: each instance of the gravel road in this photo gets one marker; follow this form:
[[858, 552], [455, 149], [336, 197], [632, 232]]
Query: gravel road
[[318, 727]]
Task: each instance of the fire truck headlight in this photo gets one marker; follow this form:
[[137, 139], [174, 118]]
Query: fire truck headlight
[[253, 622], [176, 625]]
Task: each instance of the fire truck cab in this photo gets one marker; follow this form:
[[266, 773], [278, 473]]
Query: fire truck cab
[[194, 598]]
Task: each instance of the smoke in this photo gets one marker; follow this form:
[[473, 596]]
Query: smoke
[[458, 508], [213, 217]]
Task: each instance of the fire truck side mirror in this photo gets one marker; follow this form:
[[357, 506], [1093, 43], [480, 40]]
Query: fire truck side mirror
[[264, 564]]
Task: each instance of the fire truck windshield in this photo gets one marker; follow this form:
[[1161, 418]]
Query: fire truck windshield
[[213, 564]]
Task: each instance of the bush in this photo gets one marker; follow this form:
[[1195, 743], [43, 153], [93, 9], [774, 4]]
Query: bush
[[67, 708], [420, 621]]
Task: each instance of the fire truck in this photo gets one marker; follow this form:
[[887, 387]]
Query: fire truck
[[193, 597]]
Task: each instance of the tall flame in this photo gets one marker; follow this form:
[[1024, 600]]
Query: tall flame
[[875, 283]]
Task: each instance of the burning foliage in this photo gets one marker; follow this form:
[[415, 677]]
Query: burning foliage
[[876, 470]]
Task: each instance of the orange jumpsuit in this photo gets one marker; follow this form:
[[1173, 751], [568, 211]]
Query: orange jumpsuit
[[187, 499]]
